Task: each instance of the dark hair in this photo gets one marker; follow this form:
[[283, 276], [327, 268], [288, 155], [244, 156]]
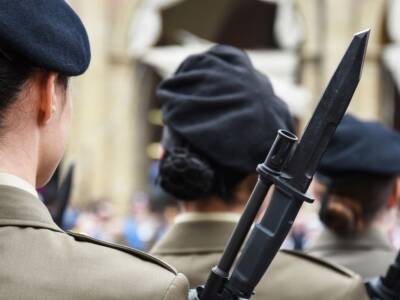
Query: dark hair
[[187, 175], [12, 79], [353, 203], [63, 81], [14, 73]]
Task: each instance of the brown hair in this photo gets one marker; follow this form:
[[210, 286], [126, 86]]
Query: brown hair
[[353, 203]]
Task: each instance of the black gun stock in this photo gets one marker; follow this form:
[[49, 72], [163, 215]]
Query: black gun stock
[[63, 196], [387, 287], [290, 166]]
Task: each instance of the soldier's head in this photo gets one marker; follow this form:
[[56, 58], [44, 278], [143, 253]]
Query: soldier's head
[[357, 177], [42, 44], [221, 117]]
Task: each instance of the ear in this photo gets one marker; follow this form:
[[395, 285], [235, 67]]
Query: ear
[[47, 105], [395, 197]]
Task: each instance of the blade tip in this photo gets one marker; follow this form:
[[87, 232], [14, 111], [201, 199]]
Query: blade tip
[[364, 34]]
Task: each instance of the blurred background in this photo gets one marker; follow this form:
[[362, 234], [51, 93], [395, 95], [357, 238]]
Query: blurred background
[[136, 43]]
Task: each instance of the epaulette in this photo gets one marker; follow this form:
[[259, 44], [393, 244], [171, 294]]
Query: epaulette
[[334, 267], [137, 253]]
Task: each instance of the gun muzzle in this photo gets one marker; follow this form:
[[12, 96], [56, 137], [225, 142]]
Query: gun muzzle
[[280, 151]]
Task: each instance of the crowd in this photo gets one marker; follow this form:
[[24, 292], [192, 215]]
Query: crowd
[[143, 225], [140, 228]]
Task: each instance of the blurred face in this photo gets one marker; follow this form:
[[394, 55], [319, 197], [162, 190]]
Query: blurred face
[[54, 134]]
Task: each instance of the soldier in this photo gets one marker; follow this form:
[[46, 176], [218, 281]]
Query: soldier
[[357, 182], [221, 117], [43, 43]]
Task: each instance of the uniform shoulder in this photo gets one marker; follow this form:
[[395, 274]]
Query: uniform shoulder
[[310, 278], [134, 252], [317, 262]]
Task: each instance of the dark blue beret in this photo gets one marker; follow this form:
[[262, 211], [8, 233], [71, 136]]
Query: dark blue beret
[[46, 33], [360, 147], [223, 108]]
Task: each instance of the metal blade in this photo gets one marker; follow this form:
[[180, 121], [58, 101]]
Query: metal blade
[[328, 114]]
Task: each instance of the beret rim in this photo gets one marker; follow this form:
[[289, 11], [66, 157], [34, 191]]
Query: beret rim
[[361, 148]]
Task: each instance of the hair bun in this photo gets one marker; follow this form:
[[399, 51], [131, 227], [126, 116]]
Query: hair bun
[[185, 175], [342, 217]]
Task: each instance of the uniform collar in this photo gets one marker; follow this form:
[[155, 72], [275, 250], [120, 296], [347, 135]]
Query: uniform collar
[[21, 208], [195, 236], [7, 179], [370, 238]]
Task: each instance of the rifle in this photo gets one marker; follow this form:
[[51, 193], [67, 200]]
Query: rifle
[[289, 166], [63, 196], [387, 287]]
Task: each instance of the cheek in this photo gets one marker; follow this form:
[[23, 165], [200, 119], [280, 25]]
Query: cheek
[[65, 121], [61, 131], [54, 141]]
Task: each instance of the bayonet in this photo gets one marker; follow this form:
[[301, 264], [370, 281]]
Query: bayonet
[[328, 114]]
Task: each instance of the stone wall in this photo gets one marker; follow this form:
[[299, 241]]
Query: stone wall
[[105, 140]]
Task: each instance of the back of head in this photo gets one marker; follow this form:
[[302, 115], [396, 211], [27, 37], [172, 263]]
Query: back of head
[[221, 117], [353, 204], [359, 171], [42, 44]]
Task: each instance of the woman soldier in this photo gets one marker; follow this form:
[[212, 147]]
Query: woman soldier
[[357, 184], [221, 117], [42, 44]]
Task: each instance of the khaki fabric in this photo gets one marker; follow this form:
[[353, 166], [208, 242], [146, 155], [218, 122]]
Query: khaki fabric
[[195, 247], [40, 261], [368, 254]]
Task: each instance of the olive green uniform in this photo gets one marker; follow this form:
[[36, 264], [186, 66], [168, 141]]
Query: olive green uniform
[[40, 261], [368, 253], [195, 245]]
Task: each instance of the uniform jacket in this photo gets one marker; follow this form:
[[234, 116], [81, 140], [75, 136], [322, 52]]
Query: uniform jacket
[[194, 247], [368, 254], [40, 261]]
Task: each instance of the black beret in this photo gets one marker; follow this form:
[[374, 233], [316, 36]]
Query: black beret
[[46, 33], [223, 108], [360, 147]]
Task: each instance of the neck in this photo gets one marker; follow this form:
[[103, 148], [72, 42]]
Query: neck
[[386, 219], [19, 157], [212, 204]]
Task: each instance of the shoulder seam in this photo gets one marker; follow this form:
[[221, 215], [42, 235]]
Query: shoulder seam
[[355, 287], [143, 255], [316, 260], [172, 286]]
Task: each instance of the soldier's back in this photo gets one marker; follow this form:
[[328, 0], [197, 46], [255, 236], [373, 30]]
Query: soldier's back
[[298, 276], [40, 261], [195, 247], [367, 253]]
